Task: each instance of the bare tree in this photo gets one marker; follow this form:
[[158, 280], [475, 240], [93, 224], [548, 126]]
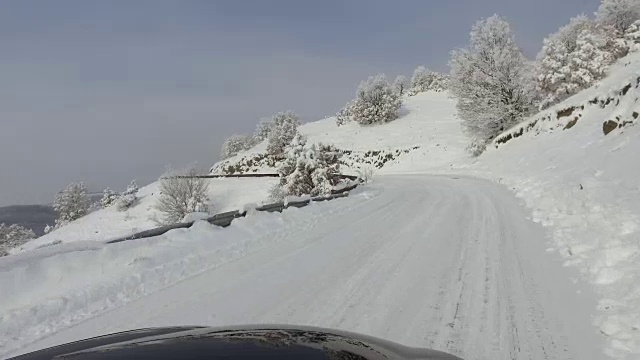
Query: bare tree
[[400, 84], [182, 193]]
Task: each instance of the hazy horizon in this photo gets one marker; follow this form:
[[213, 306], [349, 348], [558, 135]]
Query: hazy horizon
[[106, 92]]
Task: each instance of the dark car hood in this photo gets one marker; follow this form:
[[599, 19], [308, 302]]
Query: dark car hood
[[243, 342]]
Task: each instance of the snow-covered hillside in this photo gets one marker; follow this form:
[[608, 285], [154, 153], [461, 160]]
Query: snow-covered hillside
[[418, 132], [109, 223]]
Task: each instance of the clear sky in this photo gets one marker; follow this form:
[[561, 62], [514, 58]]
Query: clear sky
[[108, 91]]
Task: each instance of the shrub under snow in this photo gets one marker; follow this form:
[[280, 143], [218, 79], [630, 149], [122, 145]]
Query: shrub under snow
[[376, 102], [71, 204], [235, 144], [13, 236], [109, 198], [424, 79], [308, 169], [128, 197], [182, 193], [283, 129], [476, 147]]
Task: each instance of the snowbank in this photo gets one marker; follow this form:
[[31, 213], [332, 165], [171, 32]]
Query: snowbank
[[584, 185], [49, 289]]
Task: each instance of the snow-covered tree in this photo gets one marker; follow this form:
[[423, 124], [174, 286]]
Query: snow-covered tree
[[424, 79], [12, 236], [182, 193], [488, 79], [109, 198], [376, 102], [128, 197], [420, 80], [71, 203], [612, 41], [308, 169], [552, 71], [235, 144], [632, 36], [400, 84], [620, 14], [345, 114], [589, 62], [262, 130], [284, 129]]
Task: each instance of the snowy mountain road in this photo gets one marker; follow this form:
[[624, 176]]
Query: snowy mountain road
[[451, 264]]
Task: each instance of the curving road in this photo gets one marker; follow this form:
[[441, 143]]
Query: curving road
[[446, 263]]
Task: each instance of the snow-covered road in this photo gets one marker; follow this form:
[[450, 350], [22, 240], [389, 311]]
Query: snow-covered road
[[449, 263]]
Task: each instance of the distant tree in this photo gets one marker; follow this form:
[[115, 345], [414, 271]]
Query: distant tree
[[13, 236], [400, 84], [109, 198], [235, 144], [128, 197], [308, 169], [424, 79], [71, 204], [345, 114], [284, 129], [488, 79], [182, 193], [420, 80], [619, 14], [262, 130], [376, 102]]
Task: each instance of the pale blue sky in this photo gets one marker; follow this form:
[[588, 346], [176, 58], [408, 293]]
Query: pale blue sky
[[107, 91]]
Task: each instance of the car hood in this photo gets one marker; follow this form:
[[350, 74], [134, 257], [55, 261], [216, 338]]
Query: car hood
[[241, 342]]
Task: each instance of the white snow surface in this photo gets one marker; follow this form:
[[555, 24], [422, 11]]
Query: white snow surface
[[428, 120], [105, 224], [390, 261], [449, 262]]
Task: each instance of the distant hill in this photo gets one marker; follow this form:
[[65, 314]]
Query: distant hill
[[34, 217]]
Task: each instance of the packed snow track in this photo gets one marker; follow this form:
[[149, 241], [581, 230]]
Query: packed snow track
[[448, 263]]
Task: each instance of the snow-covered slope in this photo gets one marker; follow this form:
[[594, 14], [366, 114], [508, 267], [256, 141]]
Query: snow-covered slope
[[417, 133], [109, 223]]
